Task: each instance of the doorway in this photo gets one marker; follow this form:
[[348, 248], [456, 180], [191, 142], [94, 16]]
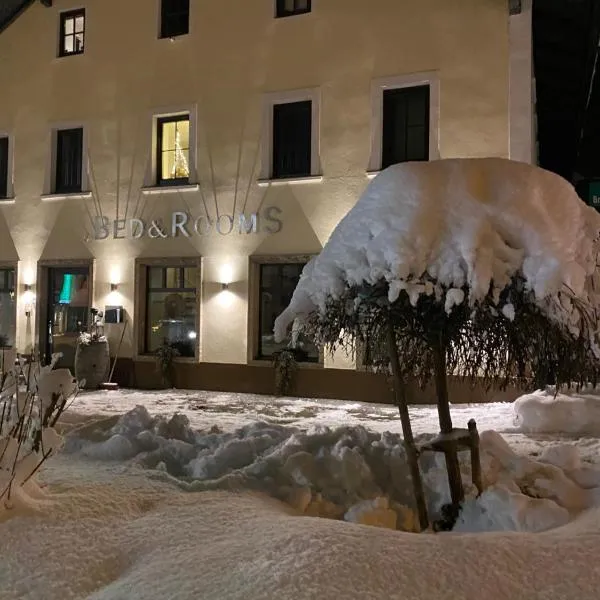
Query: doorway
[[67, 311]]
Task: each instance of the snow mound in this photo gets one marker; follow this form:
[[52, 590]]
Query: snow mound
[[349, 473], [546, 412], [502, 509], [460, 222], [225, 546]]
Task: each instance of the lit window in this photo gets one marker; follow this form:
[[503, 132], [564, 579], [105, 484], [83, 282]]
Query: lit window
[[289, 8], [72, 32], [173, 166], [174, 18], [171, 308], [277, 284], [7, 308]]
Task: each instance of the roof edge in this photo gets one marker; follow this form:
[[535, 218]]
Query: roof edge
[[19, 12]]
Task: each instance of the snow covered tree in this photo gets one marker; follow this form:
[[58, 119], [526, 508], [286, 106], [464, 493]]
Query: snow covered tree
[[485, 269]]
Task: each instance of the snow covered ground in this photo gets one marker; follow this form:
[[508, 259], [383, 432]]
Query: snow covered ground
[[144, 505], [527, 432], [120, 538]]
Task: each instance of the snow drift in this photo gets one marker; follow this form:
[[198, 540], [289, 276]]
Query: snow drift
[[461, 222], [348, 473], [117, 536], [545, 411]]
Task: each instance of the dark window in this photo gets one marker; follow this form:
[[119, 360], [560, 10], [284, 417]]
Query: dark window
[[69, 160], [288, 8], [292, 136], [171, 309], [173, 150], [3, 167], [174, 18], [7, 308], [277, 284], [405, 125], [72, 32]]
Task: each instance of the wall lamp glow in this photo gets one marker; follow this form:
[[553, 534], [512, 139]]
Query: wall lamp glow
[[28, 298]]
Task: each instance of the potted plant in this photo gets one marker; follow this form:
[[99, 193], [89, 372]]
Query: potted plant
[[165, 356], [92, 357]]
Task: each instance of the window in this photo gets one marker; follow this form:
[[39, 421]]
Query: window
[[72, 32], [69, 160], [3, 167], [7, 308], [277, 284], [289, 8], [405, 135], [292, 139], [173, 146], [171, 308], [174, 18]]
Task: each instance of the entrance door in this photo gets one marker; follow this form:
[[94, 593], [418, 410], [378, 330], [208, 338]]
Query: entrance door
[[68, 311]]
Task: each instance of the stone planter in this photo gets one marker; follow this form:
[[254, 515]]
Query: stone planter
[[92, 363]]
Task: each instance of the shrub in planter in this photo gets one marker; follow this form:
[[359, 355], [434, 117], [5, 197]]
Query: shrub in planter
[[165, 355], [285, 363]]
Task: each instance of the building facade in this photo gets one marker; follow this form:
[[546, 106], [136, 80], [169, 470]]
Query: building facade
[[183, 159]]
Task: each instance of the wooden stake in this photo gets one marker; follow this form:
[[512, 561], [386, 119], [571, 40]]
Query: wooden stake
[[441, 385], [409, 442], [475, 458]]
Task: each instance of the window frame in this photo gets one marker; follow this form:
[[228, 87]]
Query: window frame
[[254, 307], [394, 93], [74, 13], [287, 97], [378, 86], [150, 182], [161, 21], [276, 171], [56, 163], [160, 121], [13, 266], [141, 303], [281, 12]]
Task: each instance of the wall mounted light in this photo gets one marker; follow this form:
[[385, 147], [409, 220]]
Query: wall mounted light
[[226, 274], [28, 299], [224, 286], [114, 287]]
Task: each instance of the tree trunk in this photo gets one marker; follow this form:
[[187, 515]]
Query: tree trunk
[[409, 442], [441, 386]]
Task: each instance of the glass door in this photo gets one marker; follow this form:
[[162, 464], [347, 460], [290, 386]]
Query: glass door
[[68, 311]]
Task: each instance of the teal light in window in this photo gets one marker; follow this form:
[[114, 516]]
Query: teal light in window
[[67, 289]]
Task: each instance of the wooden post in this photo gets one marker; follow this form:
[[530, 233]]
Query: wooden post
[[475, 457], [409, 442], [441, 385]]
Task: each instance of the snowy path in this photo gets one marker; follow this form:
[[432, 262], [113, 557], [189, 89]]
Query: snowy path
[[231, 411]]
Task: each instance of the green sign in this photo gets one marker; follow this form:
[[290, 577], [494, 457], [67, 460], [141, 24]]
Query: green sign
[[594, 194]]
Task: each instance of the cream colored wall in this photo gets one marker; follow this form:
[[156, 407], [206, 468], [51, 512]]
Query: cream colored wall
[[235, 53]]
